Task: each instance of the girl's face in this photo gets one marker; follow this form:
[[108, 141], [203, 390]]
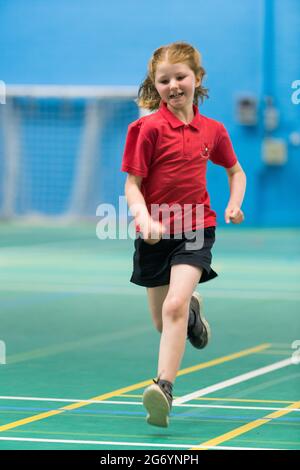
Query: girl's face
[[176, 84]]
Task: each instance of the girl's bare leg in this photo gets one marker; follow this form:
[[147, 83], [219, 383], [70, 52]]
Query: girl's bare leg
[[175, 313], [156, 298]]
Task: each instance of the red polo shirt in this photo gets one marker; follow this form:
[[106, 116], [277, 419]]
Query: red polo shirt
[[172, 157]]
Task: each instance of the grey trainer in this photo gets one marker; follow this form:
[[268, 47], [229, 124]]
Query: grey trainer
[[198, 330], [157, 399]]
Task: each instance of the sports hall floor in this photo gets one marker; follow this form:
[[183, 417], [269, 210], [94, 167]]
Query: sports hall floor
[[80, 345]]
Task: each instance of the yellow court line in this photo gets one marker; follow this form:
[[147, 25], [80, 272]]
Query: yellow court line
[[130, 388], [247, 427], [220, 360]]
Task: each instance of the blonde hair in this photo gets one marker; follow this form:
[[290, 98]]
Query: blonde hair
[[148, 96]]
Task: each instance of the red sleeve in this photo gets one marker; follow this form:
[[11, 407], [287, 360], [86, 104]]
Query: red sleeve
[[223, 153], [138, 150]]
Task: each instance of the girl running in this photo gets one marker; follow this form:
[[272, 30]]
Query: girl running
[[165, 156]]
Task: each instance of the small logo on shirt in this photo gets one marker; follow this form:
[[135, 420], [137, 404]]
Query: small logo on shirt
[[205, 151]]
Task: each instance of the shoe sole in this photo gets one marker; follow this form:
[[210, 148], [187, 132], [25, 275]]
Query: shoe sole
[[202, 317], [157, 406]]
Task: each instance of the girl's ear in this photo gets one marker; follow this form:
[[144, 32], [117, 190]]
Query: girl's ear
[[198, 81]]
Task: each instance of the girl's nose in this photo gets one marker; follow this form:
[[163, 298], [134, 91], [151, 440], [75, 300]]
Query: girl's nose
[[173, 84]]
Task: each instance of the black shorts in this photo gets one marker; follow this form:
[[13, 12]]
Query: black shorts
[[152, 263]]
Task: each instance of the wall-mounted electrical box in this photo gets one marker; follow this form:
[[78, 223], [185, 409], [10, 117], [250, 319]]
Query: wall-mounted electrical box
[[274, 151], [246, 110]]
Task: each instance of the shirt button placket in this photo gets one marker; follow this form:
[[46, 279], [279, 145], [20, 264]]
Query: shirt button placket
[[187, 145]]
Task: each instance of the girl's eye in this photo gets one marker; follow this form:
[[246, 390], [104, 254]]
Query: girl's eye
[[164, 82]]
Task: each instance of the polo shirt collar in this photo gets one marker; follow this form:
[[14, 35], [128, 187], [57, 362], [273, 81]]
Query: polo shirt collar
[[175, 122]]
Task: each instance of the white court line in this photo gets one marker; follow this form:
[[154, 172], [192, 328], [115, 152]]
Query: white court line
[[235, 380], [135, 444], [179, 401], [116, 402]]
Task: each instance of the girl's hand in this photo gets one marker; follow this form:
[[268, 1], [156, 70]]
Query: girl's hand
[[234, 214], [152, 231]]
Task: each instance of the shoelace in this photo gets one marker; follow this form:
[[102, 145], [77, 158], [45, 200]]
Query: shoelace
[[167, 388]]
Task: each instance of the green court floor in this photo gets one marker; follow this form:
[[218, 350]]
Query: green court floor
[[76, 329]]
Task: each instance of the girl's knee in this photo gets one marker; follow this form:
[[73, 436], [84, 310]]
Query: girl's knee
[[174, 307]]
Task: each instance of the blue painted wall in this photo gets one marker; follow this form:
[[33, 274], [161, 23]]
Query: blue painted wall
[[99, 42]]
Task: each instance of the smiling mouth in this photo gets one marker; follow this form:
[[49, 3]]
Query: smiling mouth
[[173, 96]]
